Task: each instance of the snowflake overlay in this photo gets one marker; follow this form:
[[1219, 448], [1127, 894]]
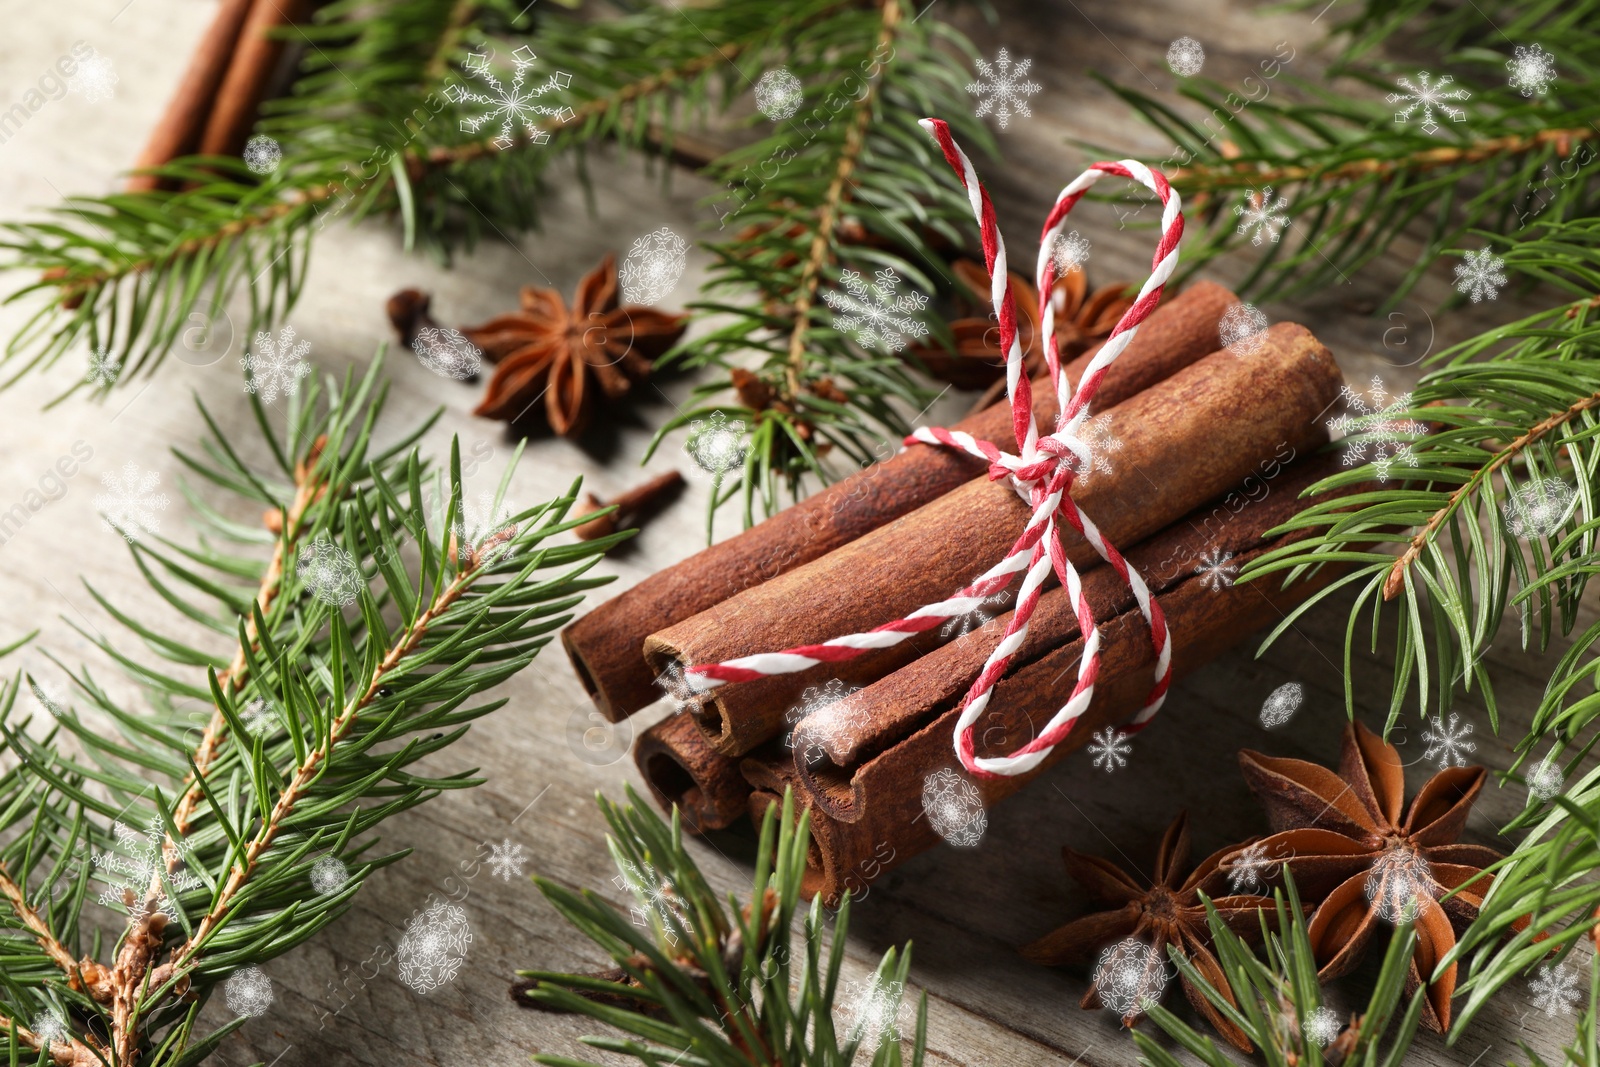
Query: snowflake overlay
[[329, 874], [872, 1014], [260, 717], [1095, 433], [676, 688], [874, 314], [1546, 780], [262, 154], [1532, 70], [509, 106], [1426, 95], [1185, 57], [1281, 704], [975, 619], [653, 267], [1130, 975], [778, 94], [1249, 870], [447, 353], [717, 444], [50, 1027], [1378, 426], [1540, 507], [1447, 741], [1001, 87], [434, 947], [1070, 251], [130, 874], [1259, 215], [1555, 990], [1216, 569], [330, 572], [249, 991], [1481, 275], [506, 859], [103, 369], [824, 721], [1322, 1026], [484, 529], [1395, 884], [276, 366], [1243, 329], [1110, 749], [954, 808], [130, 502], [659, 904], [96, 79]]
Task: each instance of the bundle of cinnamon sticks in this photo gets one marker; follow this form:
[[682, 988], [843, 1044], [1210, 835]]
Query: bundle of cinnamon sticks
[[1212, 450]]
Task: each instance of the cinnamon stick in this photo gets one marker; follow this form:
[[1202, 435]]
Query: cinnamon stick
[[607, 645], [178, 132], [892, 827], [682, 770], [1183, 441], [255, 60]]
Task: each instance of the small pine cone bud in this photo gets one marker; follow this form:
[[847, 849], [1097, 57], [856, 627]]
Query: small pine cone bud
[[825, 388], [754, 393]]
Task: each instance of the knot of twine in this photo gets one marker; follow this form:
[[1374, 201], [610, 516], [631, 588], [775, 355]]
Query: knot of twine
[[1042, 471]]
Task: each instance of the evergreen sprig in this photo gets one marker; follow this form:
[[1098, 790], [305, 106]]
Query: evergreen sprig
[[697, 983], [361, 643]]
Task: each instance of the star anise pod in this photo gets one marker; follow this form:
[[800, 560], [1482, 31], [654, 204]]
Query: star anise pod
[[1170, 912], [1081, 320], [570, 356], [1344, 839]]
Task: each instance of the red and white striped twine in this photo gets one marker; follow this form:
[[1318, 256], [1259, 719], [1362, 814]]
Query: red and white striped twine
[[1042, 472]]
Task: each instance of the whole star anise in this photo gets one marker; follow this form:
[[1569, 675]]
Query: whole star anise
[[1344, 839], [569, 355], [1081, 320], [1169, 912]]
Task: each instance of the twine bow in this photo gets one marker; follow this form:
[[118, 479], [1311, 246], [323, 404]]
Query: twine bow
[[1042, 471]]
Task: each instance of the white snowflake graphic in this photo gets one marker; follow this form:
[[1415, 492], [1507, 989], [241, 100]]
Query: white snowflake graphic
[[262, 154], [1481, 275], [104, 369], [130, 502], [1555, 990], [130, 873], [653, 267], [1373, 426], [1281, 704], [1322, 1026], [330, 572], [1396, 884], [509, 106], [50, 1027], [1540, 507], [96, 79], [447, 353], [1259, 215], [1216, 569], [260, 717], [484, 529], [824, 722], [1447, 741], [46, 699], [717, 444], [778, 94], [506, 859], [1532, 70], [329, 874], [676, 688], [1110, 749], [1546, 780], [954, 808], [872, 1014], [276, 365], [1249, 870], [248, 991], [1427, 95], [1243, 330], [976, 618], [660, 907], [1130, 975], [1070, 251], [875, 314], [434, 947], [1002, 86], [1185, 57], [1095, 432]]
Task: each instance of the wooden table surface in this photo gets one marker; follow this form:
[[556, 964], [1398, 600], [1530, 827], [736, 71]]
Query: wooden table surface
[[966, 911]]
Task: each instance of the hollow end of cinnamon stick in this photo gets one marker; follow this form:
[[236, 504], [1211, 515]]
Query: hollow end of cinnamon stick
[[683, 771]]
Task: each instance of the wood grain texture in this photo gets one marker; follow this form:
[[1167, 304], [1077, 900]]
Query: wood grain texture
[[547, 751]]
